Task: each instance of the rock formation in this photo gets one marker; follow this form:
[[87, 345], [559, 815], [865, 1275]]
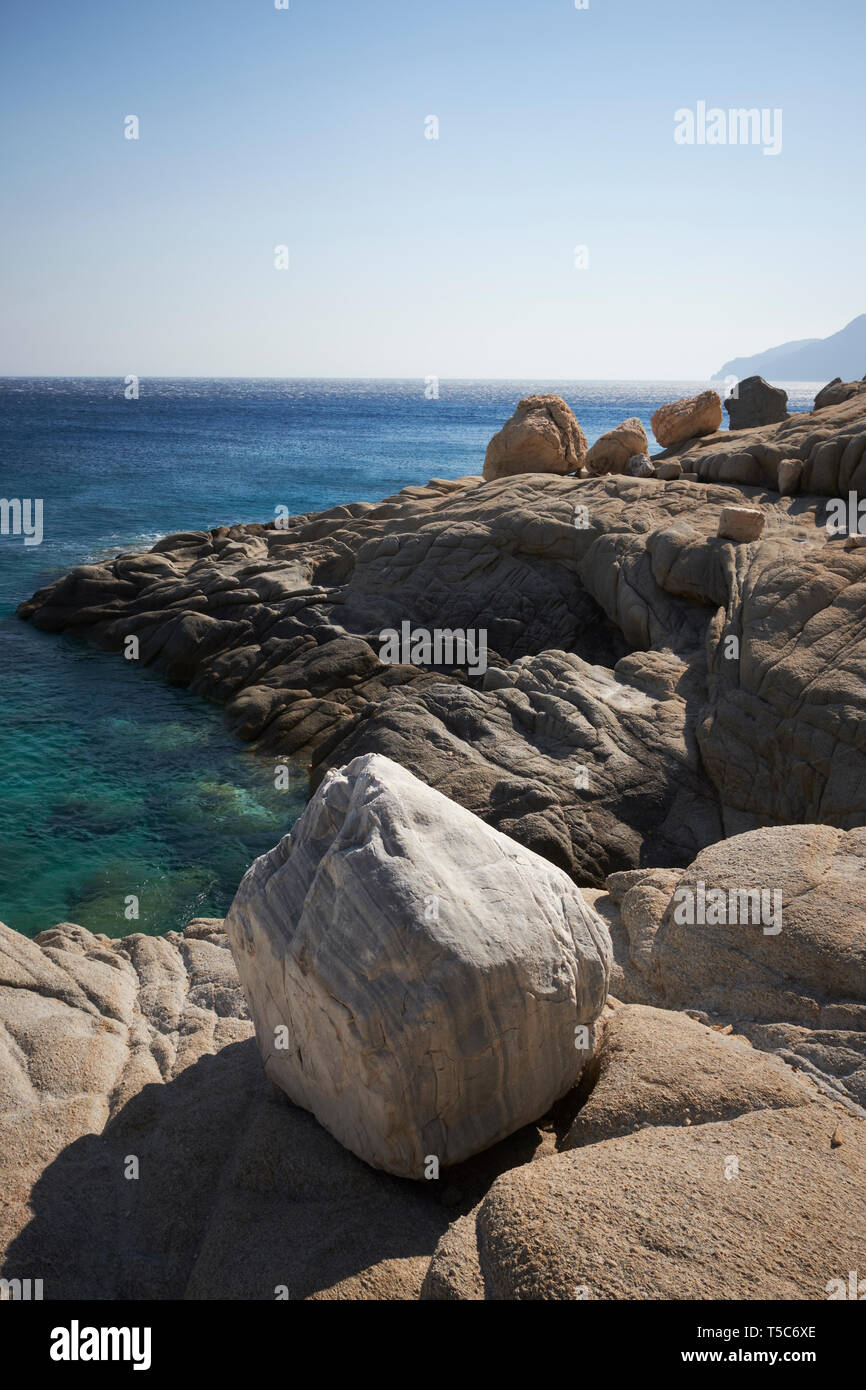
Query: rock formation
[[687, 419], [423, 993], [756, 402], [650, 686], [829, 443], [614, 450], [141, 1049], [542, 436], [837, 391], [672, 708]]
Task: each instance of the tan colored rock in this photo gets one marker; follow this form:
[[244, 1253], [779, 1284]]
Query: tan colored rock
[[391, 1281], [542, 436], [669, 472], [855, 542], [741, 524], [642, 896], [760, 1206], [612, 452], [454, 1274], [805, 955], [655, 1067], [687, 419]]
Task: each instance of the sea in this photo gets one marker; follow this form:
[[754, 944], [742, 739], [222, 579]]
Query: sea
[[125, 804]]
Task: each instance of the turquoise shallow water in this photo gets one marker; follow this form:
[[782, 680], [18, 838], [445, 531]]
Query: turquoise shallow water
[[111, 782]]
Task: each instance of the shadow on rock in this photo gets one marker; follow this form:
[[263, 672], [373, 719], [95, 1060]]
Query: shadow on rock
[[239, 1195]]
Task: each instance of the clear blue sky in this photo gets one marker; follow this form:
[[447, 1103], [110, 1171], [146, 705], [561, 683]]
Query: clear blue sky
[[413, 257]]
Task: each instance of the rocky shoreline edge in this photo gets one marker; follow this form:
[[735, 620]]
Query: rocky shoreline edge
[[490, 864]]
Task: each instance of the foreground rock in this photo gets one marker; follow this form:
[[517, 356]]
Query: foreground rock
[[693, 1168], [542, 436], [786, 967], [702, 1168], [687, 419], [612, 452], [756, 402], [144, 1153], [417, 980], [760, 1206], [657, 1067]]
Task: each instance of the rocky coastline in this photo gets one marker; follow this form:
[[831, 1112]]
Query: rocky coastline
[[585, 927]]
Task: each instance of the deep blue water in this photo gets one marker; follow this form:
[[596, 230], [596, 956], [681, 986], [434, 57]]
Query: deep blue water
[[111, 782]]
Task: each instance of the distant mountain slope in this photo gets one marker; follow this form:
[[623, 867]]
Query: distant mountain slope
[[809, 359]]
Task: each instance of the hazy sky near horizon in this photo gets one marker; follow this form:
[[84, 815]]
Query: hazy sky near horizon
[[408, 256]]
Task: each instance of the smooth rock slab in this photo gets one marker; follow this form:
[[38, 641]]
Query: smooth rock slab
[[415, 977]]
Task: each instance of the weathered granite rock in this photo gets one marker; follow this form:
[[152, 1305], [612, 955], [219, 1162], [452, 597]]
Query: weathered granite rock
[[614, 450], [639, 466], [799, 991], [687, 419], [808, 957], [416, 978], [656, 1067], [542, 436], [756, 402], [759, 1206], [454, 1273], [741, 523]]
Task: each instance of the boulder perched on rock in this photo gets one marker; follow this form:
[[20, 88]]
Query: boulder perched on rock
[[542, 436], [687, 419], [741, 523], [416, 979], [613, 450], [756, 402], [830, 443]]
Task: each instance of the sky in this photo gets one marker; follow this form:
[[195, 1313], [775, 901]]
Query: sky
[[306, 127]]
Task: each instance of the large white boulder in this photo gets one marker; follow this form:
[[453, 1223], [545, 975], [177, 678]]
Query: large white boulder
[[420, 982]]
